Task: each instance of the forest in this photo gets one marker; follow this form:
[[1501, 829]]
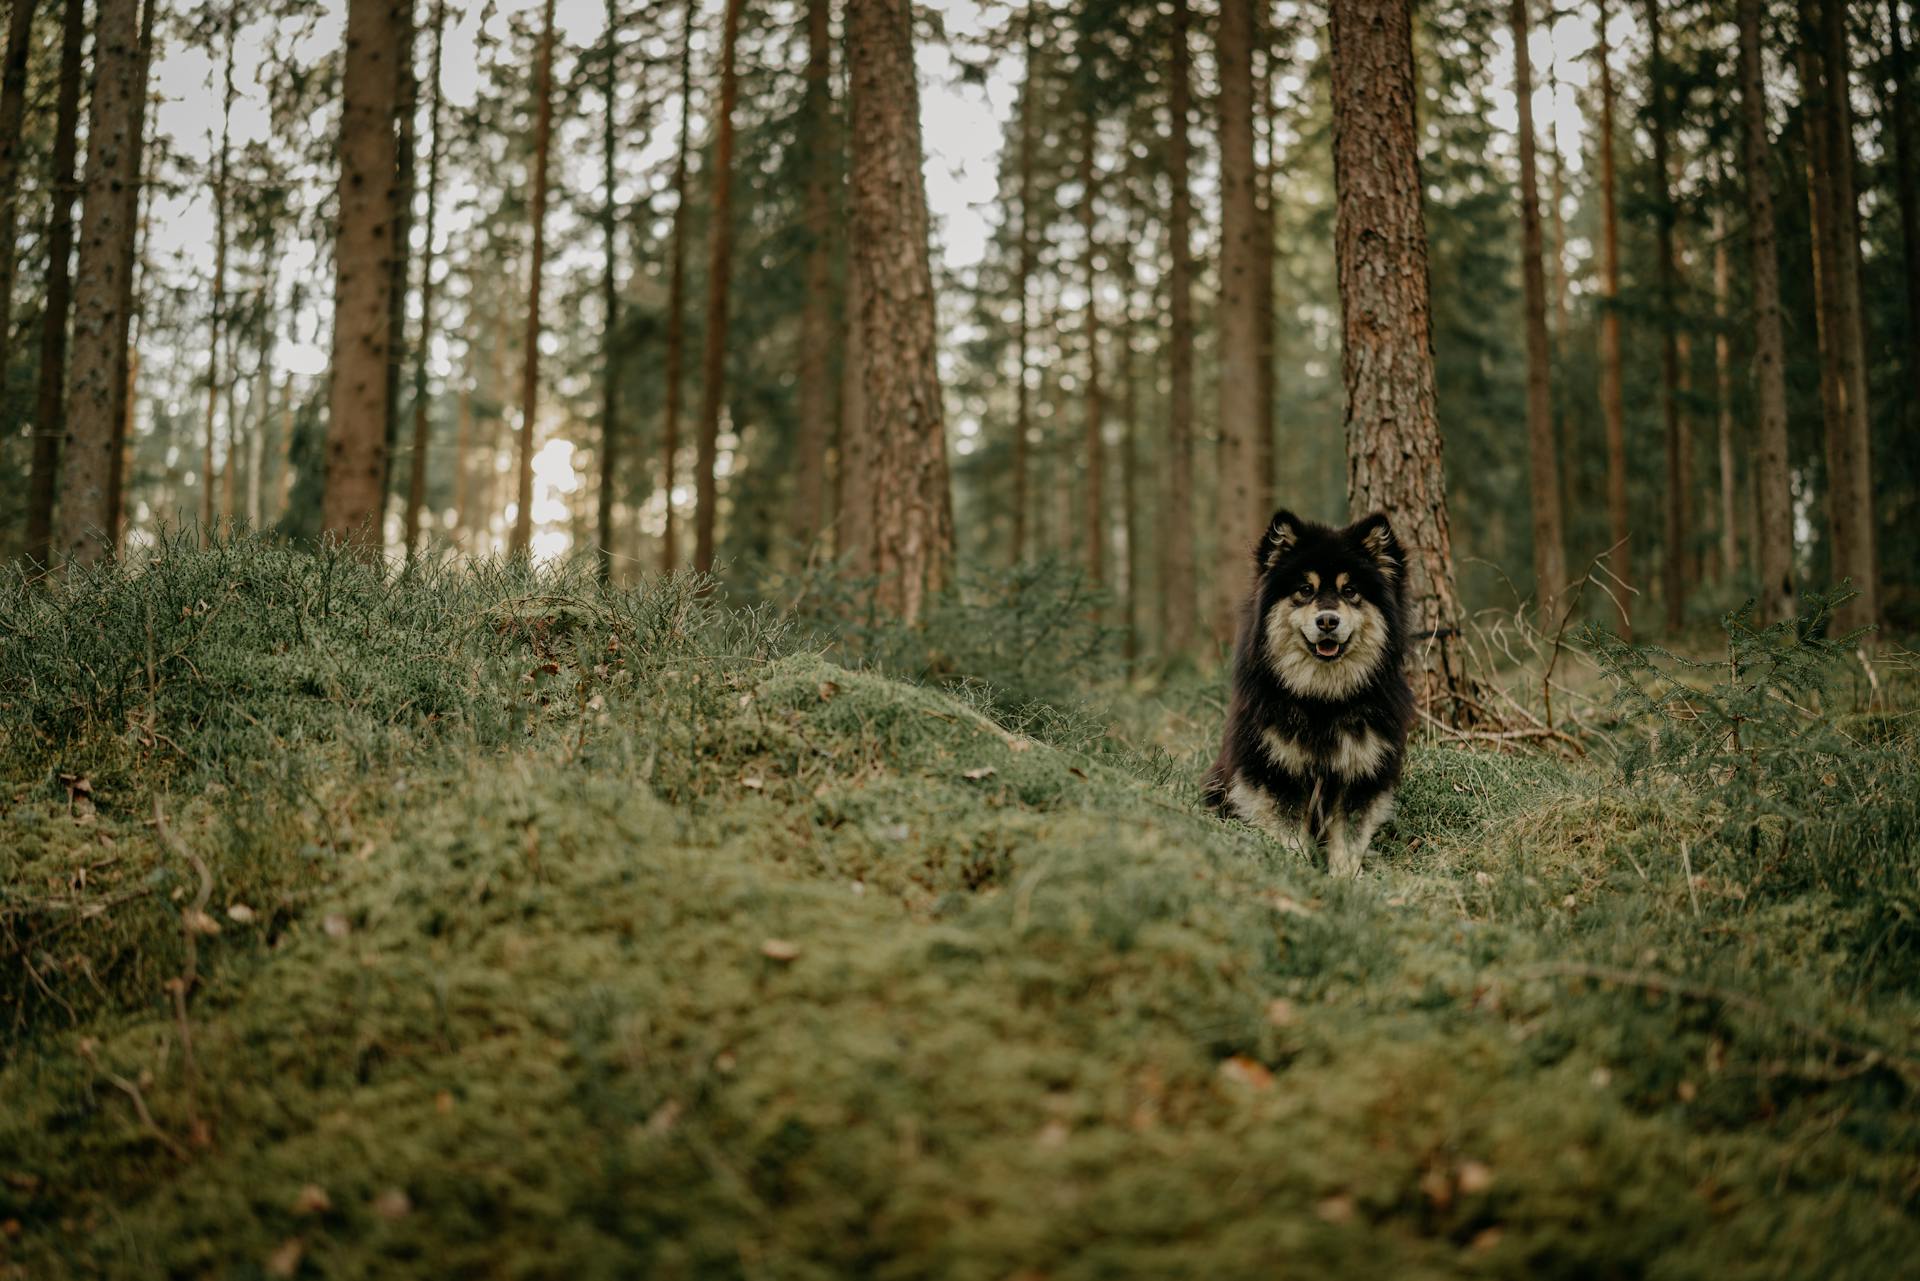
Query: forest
[[613, 612]]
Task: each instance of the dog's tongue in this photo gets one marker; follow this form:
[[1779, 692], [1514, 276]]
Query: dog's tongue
[[1327, 648]]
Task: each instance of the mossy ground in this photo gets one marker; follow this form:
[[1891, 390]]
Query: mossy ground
[[606, 934]]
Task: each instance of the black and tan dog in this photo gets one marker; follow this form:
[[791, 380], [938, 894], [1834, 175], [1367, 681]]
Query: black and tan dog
[[1318, 721]]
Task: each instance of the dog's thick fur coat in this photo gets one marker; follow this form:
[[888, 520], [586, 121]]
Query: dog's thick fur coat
[[1318, 720]]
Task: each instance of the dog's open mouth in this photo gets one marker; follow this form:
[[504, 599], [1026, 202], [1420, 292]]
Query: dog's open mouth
[[1327, 648]]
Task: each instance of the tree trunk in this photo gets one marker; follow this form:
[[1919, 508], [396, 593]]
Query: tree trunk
[[677, 299], [817, 330], [521, 544], [1241, 514], [102, 294], [853, 521], [1130, 449], [1771, 484], [1825, 76], [1723, 398], [1022, 410], [1673, 574], [133, 232], [1902, 121], [1093, 487], [1178, 565], [719, 282], [406, 108], [1612, 399], [13, 103], [1549, 545], [609, 305], [1380, 242], [422, 437], [1266, 481], [363, 279], [50, 401], [217, 321], [904, 421]]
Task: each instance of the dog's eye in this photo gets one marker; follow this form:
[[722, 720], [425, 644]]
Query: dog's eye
[[1351, 592], [1303, 592]]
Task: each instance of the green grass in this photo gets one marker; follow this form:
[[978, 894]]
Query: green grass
[[599, 934]]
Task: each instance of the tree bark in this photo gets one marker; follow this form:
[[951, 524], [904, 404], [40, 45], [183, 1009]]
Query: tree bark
[[1093, 486], [1772, 488], [719, 282], [1549, 545], [1241, 517], [1178, 566], [50, 400], [521, 544], [102, 293], [609, 305], [677, 299], [1266, 481], [1380, 242], [1825, 74], [904, 420], [13, 103], [422, 436], [1673, 575], [1899, 109], [217, 322], [1723, 401], [1022, 405], [406, 108], [817, 330], [853, 521], [363, 279], [1612, 399]]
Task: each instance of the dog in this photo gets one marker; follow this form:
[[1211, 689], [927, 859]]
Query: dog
[[1317, 723]]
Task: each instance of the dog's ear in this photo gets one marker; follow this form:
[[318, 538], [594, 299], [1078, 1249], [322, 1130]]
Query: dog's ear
[[1283, 533], [1374, 536]]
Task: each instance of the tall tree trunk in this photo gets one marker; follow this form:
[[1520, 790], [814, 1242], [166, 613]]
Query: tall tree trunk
[[1022, 411], [1380, 243], [853, 520], [1723, 398], [1612, 398], [1674, 583], [609, 304], [102, 293], [261, 406], [1772, 487], [407, 107], [422, 437], [719, 282], [1130, 448], [1178, 565], [217, 320], [677, 299], [1549, 545], [363, 278], [1266, 481], [13, 103], [1241, 505], [463, 450], [50, 399], [1825, 73], [817, 330], [1898, 107], [905, 420], [522, 542], [1093, 487]]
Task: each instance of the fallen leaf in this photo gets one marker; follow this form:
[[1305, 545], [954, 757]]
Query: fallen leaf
[[1242, 1070], [663, 1119], [1601, 1078], [239, 913], [780, 950], [1438, 1188], [312, 1199], [827, 690], [1481, 878], [1280, 1012], [753, 782], [1687, 1091], [1077, 772], [394, 1203], [1290, 906], [197, 922], [336, 925], [1485, 1239], [1053, 1134], [1335, 1209], [1475, 1177], [11, 1229], [985, 771], [443, 1102], [285, 1259]]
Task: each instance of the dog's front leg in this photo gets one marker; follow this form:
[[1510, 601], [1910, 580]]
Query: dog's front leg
[[1351, 833]]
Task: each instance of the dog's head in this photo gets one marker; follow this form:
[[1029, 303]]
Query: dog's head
[[1328, 603]]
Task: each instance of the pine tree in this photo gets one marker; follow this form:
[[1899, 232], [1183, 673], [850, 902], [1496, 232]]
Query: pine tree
[[1612, 397], [1180, 601], [50, 397], [719, 282], [13, 103], [357, 420], [609, 302], [817, 330], [1242, 419], [1380, 242], [417, 464], [522, 541], [904, 422], [677, 299], [1093, 487], [1674, 584]]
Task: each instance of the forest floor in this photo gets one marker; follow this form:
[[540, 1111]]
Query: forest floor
[[478, 924]]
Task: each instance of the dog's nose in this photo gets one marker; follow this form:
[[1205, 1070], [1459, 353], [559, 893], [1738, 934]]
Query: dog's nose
[[1327, 622]]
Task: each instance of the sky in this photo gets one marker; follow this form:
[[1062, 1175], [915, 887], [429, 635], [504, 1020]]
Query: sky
[[963, 123]]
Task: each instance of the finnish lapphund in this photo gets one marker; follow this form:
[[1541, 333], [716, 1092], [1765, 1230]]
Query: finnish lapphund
[[1318, 719]]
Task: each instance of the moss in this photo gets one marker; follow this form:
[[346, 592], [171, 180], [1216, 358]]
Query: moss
[[658, 948]]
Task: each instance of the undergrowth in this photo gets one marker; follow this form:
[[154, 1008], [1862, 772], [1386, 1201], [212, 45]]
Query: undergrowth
[[556, 931]]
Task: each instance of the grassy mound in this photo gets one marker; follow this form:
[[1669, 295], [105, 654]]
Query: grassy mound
[[535, 930]]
